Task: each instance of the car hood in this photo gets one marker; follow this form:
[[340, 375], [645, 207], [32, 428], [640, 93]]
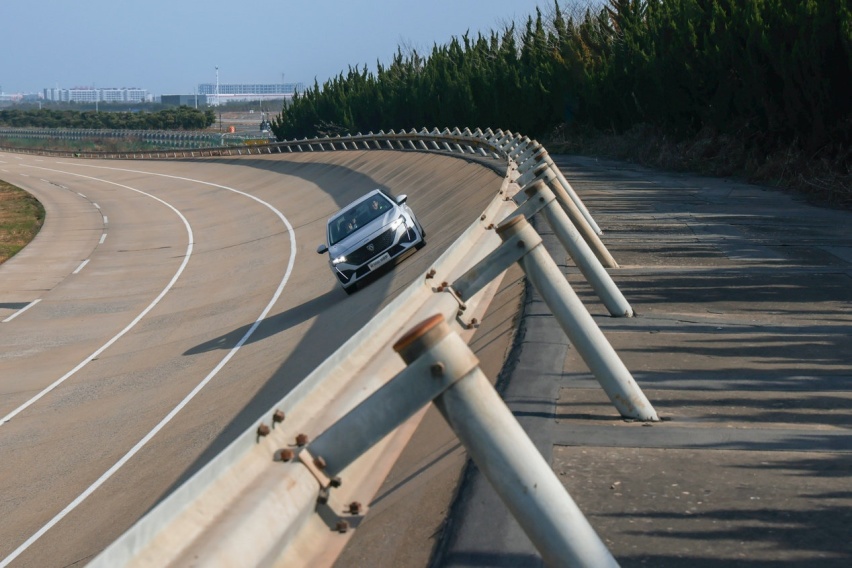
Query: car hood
[[363, 235]]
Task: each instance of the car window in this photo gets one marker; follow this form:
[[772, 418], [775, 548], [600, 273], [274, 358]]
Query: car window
[[356, 217]]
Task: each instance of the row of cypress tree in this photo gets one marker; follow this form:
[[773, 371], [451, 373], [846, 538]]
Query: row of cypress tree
[[182, 118], [777, 71]]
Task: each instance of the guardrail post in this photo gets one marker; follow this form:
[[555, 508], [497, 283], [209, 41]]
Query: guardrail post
[[442, 368], [546, 173], [570, 191], [522, 244], [541, 198], [576, 321]]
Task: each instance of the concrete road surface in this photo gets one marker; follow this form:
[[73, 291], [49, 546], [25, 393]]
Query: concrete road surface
[[164, 306]]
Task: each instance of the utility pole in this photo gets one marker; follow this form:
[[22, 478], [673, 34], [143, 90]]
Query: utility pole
[[218, 106]]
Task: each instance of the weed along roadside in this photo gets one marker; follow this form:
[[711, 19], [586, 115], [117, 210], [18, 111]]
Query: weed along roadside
[[21, 217]]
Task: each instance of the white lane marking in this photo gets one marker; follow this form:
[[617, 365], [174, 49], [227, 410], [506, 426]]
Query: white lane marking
[[115, 338], [82, 264], [106, 220], [22, 310], [96, 205], [24, 175], [139, 445], [81, 195], [103, 238]]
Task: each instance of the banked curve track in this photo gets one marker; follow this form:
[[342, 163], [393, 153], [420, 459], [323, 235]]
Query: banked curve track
[[164, 306]]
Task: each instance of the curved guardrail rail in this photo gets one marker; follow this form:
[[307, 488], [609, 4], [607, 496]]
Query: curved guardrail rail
[[275, 496]]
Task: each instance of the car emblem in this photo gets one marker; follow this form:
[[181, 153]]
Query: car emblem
[[371, 247]]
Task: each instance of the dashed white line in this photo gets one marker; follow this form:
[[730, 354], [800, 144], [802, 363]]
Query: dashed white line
[[103, 238], [82, 265], [106, 220], [22, 310]]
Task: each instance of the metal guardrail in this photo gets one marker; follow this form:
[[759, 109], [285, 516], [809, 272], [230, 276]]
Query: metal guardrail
[[177, 139], [527, 156], [255, 502]]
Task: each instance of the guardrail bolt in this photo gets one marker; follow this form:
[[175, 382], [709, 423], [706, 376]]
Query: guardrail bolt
[[482, 217], [473, 323], [521, 244], [263, 430], [278, 417], [322, 498], [287, 454], [320, 462], [342, 526], [354, 508], [335, 482], [301, 440], [431, 273], [437, 369], [490, 226]]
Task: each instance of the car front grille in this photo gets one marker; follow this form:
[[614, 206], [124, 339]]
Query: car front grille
[[379, 244]]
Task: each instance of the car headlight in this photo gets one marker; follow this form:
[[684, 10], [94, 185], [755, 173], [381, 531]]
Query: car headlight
[[338, 260], [398, 222]]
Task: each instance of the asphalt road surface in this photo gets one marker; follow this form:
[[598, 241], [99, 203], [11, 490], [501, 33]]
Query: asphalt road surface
[[163, 307]]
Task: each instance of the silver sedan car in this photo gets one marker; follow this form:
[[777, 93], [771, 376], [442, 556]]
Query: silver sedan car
[[369, 233]]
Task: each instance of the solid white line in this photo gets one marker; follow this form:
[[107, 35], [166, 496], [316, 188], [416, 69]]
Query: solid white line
[[139, 445], [22, 310], [82, 264]]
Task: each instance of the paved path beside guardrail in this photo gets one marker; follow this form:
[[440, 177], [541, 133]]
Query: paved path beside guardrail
[[743, 343]]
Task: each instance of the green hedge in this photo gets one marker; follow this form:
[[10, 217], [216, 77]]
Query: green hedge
[[777, 71]]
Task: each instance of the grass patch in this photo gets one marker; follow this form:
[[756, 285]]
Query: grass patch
[[21, 217]]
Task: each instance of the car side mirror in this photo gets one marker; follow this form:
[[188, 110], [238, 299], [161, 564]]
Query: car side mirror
[[402, 199], [322, 249]]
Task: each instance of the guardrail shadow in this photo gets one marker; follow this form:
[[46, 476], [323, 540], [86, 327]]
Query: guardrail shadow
[[273, 325]]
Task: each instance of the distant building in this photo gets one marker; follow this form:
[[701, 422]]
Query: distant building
[[183, 100], [247, 92], [91, 95]]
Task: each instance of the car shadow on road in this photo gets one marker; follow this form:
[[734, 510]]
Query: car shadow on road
[[272, 325]]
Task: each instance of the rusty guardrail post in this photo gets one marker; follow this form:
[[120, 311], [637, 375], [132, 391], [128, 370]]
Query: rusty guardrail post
[[442, 368]]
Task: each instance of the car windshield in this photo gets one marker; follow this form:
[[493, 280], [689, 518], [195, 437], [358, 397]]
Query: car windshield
[[357, 216]]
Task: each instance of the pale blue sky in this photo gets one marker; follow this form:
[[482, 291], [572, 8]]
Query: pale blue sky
[[169, 46]]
